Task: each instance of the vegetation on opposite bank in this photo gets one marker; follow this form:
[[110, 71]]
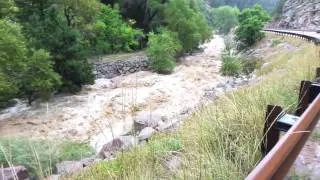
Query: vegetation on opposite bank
[[44, 45]]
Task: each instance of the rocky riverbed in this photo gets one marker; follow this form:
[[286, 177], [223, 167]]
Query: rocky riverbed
[[124, 104]]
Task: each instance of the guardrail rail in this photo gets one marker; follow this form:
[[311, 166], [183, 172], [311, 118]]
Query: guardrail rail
[[280, 153]]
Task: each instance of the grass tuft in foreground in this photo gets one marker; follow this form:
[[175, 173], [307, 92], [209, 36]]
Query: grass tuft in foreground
[[39, 156], [221, 140]]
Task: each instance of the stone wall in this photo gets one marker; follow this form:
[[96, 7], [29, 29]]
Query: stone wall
[[111, 69]]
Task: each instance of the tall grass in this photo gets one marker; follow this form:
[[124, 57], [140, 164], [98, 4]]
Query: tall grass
[[39, 156], [222, 139]]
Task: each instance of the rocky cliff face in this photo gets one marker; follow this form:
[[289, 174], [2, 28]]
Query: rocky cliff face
[[300, 14]]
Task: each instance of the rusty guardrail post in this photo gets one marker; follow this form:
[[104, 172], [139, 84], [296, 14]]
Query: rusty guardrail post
[[304, 97], [317, 79], [270, 133]]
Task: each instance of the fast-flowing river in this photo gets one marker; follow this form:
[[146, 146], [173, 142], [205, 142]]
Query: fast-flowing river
[[107, 109]]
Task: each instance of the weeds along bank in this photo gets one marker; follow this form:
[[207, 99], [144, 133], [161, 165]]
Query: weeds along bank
[[221, 140]]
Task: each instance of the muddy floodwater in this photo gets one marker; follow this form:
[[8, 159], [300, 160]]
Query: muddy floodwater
[[107, 109]]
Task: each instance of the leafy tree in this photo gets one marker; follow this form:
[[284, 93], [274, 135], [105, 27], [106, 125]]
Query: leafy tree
[[64, 42], [251, 22], [191, 25], [8, 89], [113, 34], [224, 18], [268, 5], [12, 60], [79, 13], [22, 72], [148, 14], [7, 8], [162, 49], [40, 79]]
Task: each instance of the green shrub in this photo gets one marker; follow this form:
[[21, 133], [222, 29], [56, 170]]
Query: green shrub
[[76, 72], [162, 49], [184, 18], [249, 65], [40, 157], [251, 21], [231, 66], [174, 144], [113, 34], [224, 18], [275, 42]]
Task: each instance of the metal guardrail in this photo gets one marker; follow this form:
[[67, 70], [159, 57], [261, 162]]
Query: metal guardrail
[[281, 154], [305, 34]]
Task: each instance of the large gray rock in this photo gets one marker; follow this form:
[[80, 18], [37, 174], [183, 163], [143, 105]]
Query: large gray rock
[[53, 177], [173, 163], [121, 143], [13, 173], [144, 120], [146, 133], [69, 167]]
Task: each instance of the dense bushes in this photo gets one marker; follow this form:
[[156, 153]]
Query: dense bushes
[[251, 22], [188, 22], [231, 66], [114, 35], [49, 50], [162, 49], [186, 29], [224, 18], [60, 35], [24, 72]]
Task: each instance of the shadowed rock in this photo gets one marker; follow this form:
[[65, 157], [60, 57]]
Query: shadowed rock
[[13, 173]]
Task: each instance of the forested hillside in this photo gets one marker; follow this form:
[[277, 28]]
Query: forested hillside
[[267, 4]]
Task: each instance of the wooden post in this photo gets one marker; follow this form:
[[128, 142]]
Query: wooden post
[[318, 75], [270, 133], [304, 97]]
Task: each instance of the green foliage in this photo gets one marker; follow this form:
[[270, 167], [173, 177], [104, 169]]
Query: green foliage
[[250, 64], [7, 8], [77, 72], [174, 144], [162, 49], [65, 44], [275, 42], [231, 66], [224, 18], [188, 22], [251, 22], [40, 157], [113, 34], [268, 5], [40, 78], [8, 89], [26, 73], [12, 60]]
